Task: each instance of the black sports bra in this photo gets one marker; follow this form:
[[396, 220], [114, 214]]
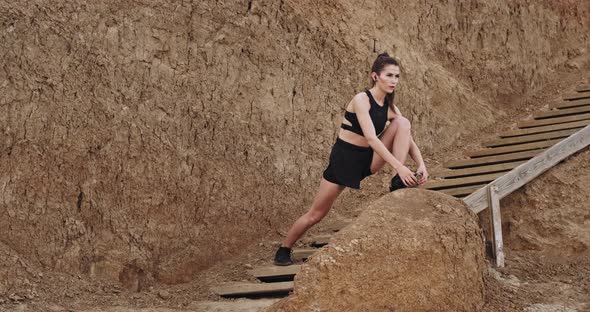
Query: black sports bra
[[378, 117]]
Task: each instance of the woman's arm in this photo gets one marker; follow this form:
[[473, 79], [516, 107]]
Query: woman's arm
[[361, 107], [417, 157], [415, 153]]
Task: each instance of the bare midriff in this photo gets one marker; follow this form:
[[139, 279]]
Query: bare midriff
[[357, 139], [352, 137]]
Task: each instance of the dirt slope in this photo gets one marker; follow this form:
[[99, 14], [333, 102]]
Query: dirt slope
[[145, 141], [551, 215], [546, 226]]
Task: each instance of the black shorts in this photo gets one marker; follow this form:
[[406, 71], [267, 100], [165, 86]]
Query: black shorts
[[349, 164]]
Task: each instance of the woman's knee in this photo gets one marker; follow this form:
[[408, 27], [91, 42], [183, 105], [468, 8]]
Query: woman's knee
[[402, 123]]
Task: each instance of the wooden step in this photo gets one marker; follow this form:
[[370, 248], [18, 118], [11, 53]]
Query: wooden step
[[552, 121], [531, 138], [583, 88], [575, 96], [304, 253], [275, 273], [253, 289], [488, 160], [431, 185], [572, 103], [462, 191], [562, 112], [456, 173], [320, 240], [236, 305], [543, 129], [512, 148]]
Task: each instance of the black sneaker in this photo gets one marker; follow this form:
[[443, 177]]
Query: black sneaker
[[283, 256], [396, 183]]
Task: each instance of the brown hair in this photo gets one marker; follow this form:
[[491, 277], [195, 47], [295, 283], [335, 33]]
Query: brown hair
[[380, 62]]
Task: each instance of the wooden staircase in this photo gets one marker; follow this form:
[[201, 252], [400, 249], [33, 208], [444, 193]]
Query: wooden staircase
[[275, 281], [497, 161], [513, 148]]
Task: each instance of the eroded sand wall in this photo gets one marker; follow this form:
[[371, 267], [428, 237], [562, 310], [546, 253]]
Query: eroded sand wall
[[147, 140]]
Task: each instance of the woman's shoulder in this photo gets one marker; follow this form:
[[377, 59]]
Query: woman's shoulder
[[361, 97], [360, 100]]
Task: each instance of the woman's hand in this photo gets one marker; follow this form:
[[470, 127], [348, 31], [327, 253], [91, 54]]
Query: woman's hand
[[422, 170], [407, 176]]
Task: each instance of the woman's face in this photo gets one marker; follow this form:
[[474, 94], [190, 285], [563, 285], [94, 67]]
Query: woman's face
[[388, 78]]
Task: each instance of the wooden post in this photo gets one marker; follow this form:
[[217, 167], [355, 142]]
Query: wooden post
[[496, 221]]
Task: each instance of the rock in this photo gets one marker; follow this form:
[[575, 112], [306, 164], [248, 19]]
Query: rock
[[248, 266], [573, 65], [164, 294], [15, 297], [408, 255]]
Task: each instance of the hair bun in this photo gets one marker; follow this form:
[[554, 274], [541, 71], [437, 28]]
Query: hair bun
[[384, 54]]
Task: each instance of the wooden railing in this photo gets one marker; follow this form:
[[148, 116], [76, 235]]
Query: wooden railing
[[490, 195]]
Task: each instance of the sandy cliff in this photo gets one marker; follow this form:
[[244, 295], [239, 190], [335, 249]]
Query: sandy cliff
[[146, 140]]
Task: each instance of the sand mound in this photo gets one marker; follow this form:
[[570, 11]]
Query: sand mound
[[411, 250]]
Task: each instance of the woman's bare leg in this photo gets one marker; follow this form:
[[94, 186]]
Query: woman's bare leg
[[320, 207], [396, 138]]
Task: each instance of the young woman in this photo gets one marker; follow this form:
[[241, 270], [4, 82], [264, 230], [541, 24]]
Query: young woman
[[363, 146]]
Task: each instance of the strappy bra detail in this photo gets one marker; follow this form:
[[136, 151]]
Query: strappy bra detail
[[378, 117]]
